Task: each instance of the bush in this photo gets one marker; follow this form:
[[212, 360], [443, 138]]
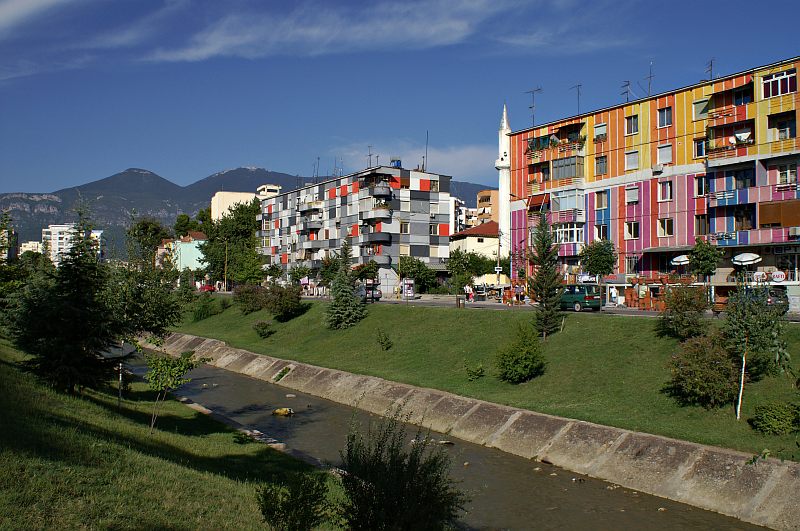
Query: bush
[[682, 317], [263, 329], [522, 360], [389, 485], [776, 418], [249, 297], [383, 340], [284, 303], [703, 373], [205, 307], [295, 504], [224, 303], [474, 373]]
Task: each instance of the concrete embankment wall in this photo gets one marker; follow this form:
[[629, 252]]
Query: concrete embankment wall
[[712, 478]]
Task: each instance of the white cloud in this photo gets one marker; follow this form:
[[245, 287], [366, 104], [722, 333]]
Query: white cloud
[[470, 162], [138, 31], [318, 29], [14, 13]]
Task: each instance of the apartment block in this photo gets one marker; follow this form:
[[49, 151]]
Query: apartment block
[[386, 212], [716, 160], [488, 202], [57, 239]]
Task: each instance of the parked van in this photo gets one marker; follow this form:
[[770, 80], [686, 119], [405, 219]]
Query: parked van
[[580, 296]]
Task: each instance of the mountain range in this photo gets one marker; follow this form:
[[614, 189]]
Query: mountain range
[[113, 200]]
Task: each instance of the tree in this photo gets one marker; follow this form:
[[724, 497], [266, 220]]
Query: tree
[[599, 258], [66, 318], [368, 271], [166, 374], [346, 308], [546, 278], [702, 373], [683, 312], [704, 258], [230, 251], [389, 485], [183, 224], [274, 272], [522, 360], [424, 277], [144, 236], [298, 272], [462, 266], [753, 333], [297, 503]]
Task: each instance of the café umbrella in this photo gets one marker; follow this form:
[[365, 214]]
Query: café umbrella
[[745, 259], [681, 260]]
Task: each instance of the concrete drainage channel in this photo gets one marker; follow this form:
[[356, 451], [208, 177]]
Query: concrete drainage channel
[[711, 478]]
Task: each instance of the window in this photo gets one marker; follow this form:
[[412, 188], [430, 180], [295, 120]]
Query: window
[[700, 109], [700, 185], [665, 191], [665, 117], [433, 229], [701, 224], [631, 195], [434, 186], [601, 232], [743, 96], [665, 154], [405, 183], [567, 168], [434, 208], [744, 217], [632, 264], [631, 160], [566, 200], [700, 148], [742, 178], [601, 200], [480, 240], [665, 227], [601, 165], [631, 230], [632, 124], [780, 83], [545, 172], [404, 227], [600, 132], [405, 249], [405, 206], [787, 173], [568, 232], [782, 126]]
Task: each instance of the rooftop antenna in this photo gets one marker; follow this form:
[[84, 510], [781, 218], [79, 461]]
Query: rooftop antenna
[[649, 78], [425, 158], [710, 69], [626, 90], [578, 86], [532, 106], [369, 148], [377, 160]]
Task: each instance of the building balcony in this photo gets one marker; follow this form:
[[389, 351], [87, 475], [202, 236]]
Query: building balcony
[[571, 215], [570, 182], [782, 146], [312, 264], [309, 225], [375, 214], [376, 237], [753, 237], [730, 114], [723, 147], [312, 244], [310, 206], [380, 259]]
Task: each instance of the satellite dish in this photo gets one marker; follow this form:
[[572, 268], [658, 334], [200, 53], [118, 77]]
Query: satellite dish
[[732, 140]]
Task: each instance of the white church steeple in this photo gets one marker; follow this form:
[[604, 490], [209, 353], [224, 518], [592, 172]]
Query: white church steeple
[[503, 166]]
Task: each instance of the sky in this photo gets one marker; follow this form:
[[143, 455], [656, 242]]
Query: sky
[[187, 88]]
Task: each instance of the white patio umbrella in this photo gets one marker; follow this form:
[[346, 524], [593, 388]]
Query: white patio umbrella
[[746, 259], [681, 260]]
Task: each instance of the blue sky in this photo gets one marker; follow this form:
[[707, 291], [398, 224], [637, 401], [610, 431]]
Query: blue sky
[[186, 88]]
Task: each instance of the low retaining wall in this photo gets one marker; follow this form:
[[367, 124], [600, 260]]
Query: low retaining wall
[[704, 476]]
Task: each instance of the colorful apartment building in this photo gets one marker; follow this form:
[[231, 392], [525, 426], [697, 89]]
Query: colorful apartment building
[[386, 212], [715, 160]]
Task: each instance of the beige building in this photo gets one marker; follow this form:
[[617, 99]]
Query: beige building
[[481, 239], [223, 201], [488, 206], [32, 246]]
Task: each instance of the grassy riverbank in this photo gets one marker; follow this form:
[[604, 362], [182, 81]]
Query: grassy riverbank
[[604, 369], [79, 463]]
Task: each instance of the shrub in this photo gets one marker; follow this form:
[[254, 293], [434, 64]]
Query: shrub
[[474, 373], [389, 485], [249, 297], [682, 317], [263, 329], [776, 418], [284, 303], [297, 503], [522, 360], [383, 340], [224, 303], [703, 373], [205, 307]]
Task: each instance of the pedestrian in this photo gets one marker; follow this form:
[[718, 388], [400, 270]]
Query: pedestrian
[[612, 293]]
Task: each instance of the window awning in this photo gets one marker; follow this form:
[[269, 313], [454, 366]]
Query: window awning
[[538, 200]]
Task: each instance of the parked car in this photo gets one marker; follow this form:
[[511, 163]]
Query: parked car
[[580, 296], [369, 293], [775, 296], [207, 288]]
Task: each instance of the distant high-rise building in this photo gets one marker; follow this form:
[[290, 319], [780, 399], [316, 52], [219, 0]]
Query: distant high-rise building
[[57, 239]]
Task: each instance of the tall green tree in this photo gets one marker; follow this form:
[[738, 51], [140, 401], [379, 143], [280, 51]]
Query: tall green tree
[[183, 224], [230, 251], [704, 259], [346, 308], [424, 277], [599, 258], [143, 238], [546, 283]]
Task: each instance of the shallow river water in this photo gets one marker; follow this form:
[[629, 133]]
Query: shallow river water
[[508, 492]]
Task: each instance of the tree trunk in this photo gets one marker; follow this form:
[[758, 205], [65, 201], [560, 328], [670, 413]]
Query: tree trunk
[[741, 382]]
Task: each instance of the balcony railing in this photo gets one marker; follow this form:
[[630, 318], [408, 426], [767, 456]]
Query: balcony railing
[[309, 225], [376, 237], [724, 148], [375, 213], [567, 216], [571, 182], [308, 206]]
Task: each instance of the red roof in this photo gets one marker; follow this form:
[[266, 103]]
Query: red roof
[[488, 229], [196, 235]]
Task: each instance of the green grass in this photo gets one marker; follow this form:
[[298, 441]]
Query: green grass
[[601, 368], [78, 462]]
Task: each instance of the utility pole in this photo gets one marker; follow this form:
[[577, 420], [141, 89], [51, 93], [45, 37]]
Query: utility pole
[[532, 106], [225, 270]]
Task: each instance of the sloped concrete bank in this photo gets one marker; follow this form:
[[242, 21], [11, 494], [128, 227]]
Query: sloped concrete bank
[[704, 476]]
